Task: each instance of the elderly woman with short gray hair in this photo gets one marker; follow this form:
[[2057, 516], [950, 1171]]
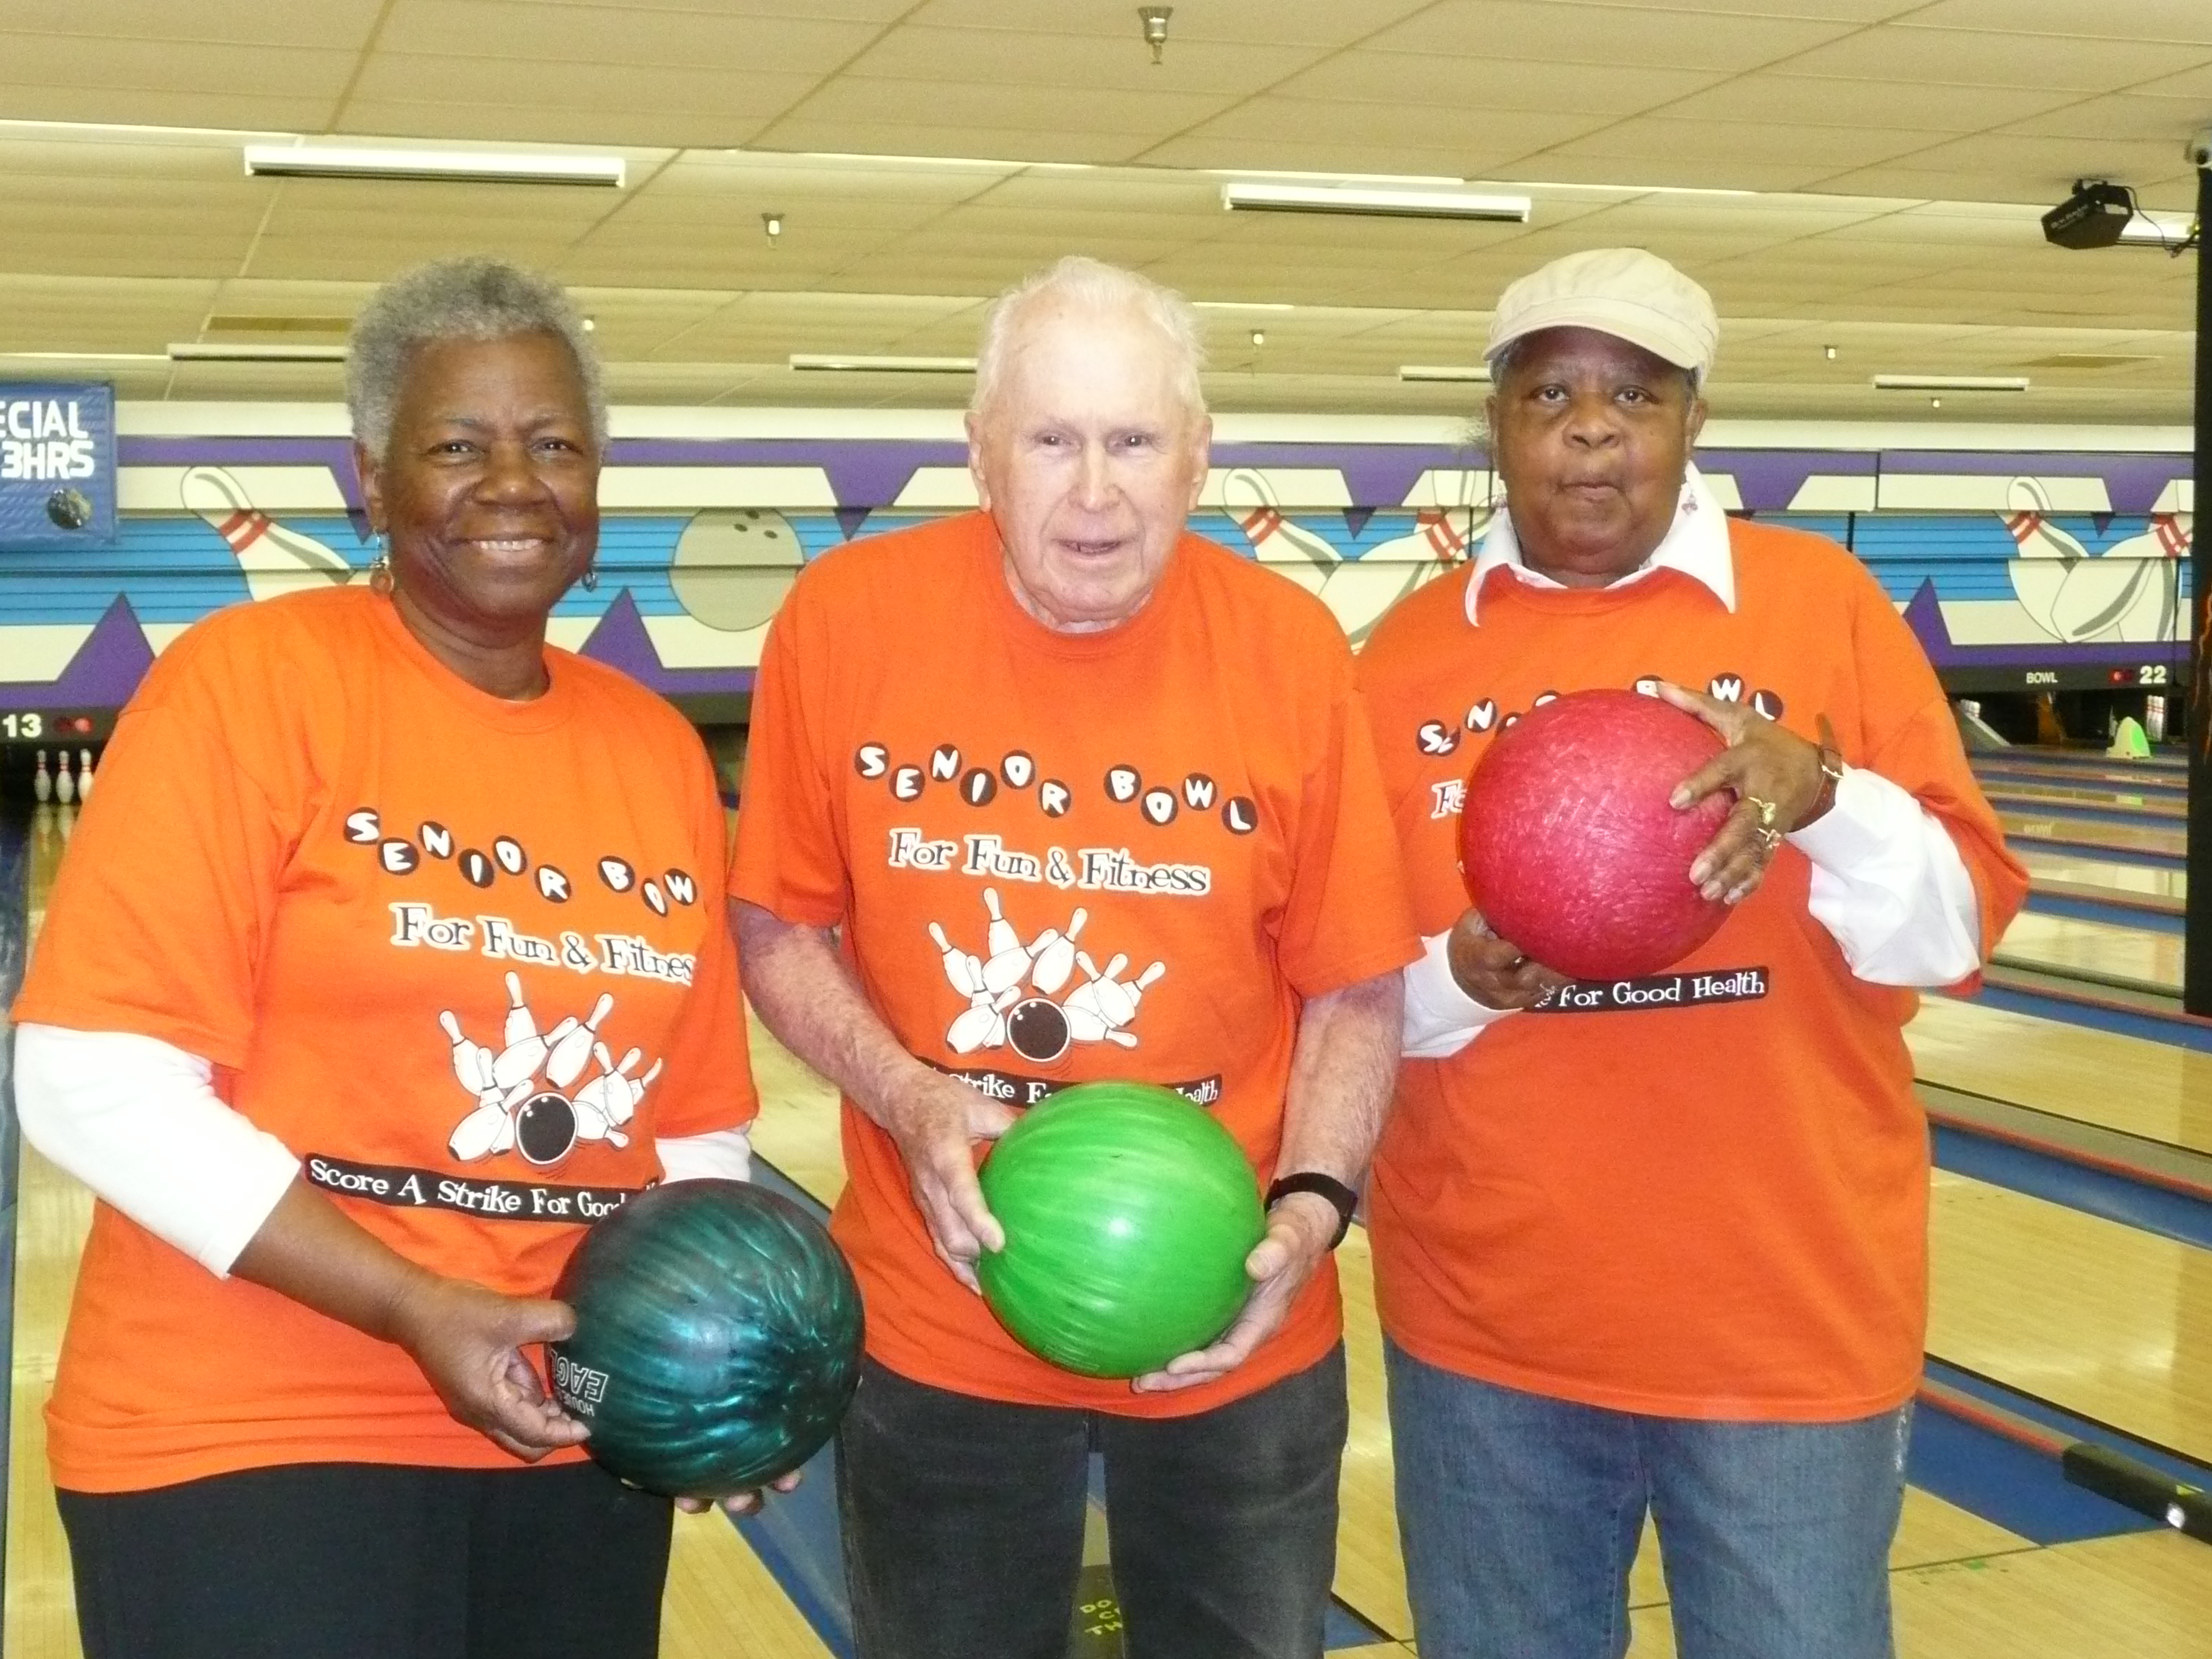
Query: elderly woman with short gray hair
[[324, 1013]]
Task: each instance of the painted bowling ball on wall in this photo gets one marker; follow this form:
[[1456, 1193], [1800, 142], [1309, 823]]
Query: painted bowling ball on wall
[[717, 1340], [1128, 1212], [1568, 845]]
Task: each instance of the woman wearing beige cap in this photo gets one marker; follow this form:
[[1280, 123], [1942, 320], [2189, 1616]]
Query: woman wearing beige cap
[[1660, 1247]]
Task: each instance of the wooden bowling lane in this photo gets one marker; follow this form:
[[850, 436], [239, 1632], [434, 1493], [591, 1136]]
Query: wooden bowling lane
[[2068, 1070], [2135, 807], [2165, 763], [2135, 958], [2114, 774], [720, 1600], [53, 1212], [2074, 875], [2106, 1598], [2104, 1320], [2081, 835]]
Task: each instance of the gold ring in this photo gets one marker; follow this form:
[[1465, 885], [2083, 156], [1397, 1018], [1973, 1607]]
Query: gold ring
[[1767, 810], [1769, 839]]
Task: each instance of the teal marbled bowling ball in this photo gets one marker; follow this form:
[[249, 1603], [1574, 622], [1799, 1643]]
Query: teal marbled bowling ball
[[717, 1340]]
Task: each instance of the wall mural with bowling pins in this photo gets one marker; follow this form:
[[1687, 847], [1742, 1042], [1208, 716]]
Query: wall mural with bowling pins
[[2015, 568]]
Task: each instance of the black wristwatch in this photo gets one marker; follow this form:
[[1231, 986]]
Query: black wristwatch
[[1313, 1180]]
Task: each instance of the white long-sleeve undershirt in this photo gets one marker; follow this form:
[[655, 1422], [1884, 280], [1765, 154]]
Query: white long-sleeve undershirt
[[138, 1121], [1887, 884]]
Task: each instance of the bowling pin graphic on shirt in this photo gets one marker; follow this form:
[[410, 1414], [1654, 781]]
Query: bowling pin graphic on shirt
[[1002, 1012], [530, 1076], [274, 559]]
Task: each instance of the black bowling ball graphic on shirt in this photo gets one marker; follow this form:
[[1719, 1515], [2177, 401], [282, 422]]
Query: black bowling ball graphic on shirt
[[530, 1093], [1014, 990]]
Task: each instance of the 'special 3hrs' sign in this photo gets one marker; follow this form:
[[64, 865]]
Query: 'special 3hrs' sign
[[57, 463]]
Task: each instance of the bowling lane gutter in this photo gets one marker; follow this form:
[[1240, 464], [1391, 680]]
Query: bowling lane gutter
[[2129, 1179], [14, 924], [2080, 901], [2140, 817], [2155, 1016], [1995, 1445], [2103, 850]]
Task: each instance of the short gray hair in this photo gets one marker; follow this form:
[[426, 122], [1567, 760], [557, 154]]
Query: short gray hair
[[457, 300], [1097, 286]]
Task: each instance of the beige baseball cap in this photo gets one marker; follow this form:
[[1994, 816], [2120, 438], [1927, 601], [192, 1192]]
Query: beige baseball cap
[[1621, 291]]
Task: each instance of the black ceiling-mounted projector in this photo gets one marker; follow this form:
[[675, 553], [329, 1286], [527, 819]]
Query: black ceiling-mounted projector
[[2092, 216]]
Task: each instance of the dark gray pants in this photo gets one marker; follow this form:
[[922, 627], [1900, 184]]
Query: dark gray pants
[[963, 1521]]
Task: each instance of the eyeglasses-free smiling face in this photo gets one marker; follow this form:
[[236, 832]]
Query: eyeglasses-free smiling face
[[487, 487], [1592, 437], [1090, 459]]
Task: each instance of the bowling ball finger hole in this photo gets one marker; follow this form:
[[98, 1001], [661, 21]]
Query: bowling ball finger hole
[[545, 1129]]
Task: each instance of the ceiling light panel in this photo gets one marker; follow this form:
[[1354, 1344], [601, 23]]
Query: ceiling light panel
[[1265, 196], [433, 166]]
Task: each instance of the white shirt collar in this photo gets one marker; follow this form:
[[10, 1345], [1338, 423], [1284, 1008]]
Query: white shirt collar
[[1696, 544]]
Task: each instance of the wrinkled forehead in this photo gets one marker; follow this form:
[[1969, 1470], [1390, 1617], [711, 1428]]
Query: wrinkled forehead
[[1067, 359]]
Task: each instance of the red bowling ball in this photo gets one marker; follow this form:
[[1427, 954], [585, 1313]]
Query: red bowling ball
[[1569, 847]]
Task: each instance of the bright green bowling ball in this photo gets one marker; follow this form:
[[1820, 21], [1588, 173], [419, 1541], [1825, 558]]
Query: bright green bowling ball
[[1128, 1212]]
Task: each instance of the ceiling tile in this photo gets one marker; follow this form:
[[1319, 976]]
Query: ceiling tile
[[2187, 20], [1529, 30], [1968, 58]]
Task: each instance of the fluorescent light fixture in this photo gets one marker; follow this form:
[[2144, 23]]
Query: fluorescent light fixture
[[839, 364], [1265, 197], [251, 351], [1243, 305], [474, 167], [2157, 230], [1950, 382], [82, 357], [1477, 374]]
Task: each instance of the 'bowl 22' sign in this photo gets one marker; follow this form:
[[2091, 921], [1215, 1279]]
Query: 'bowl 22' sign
[[57, 463]]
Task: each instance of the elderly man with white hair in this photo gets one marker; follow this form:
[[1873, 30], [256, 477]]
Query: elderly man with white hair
[[1659, 1245], [1065, 721]]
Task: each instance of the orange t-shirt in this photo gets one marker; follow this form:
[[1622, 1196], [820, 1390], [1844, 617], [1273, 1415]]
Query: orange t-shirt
[[1713, 1206], [311, 842], [1191, 796]]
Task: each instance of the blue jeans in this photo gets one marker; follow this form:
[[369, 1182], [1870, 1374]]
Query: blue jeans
[[1521, 1514], [963, 1521]]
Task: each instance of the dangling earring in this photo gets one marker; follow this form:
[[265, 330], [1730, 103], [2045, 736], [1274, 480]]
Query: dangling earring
[[379, 569], [591, 577]]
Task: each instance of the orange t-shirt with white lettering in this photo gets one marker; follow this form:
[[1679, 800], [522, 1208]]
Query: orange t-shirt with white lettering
[[1190, 796], [311, 845], [1704, 1195]]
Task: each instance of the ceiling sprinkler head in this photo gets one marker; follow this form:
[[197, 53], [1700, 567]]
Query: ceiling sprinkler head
[[1259, 337], [772, 224], [1155, 27]]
